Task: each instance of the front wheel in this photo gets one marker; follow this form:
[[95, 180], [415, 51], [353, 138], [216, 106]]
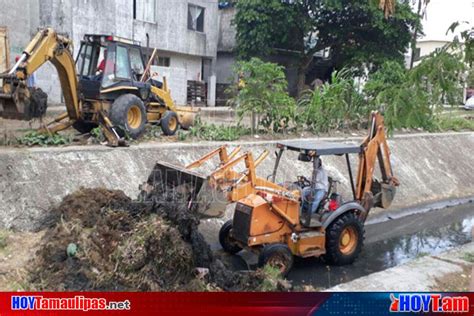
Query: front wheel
[[128, 114], [277, 256], [344, 239], [169, 123], [225, 239]]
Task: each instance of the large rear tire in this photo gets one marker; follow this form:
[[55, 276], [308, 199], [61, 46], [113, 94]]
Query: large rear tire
[[344, 239], [277, 256], [128, 114], [226, 240], [169, 123]]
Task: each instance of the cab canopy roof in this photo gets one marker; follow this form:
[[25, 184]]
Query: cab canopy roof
[[320, 148], [101, 38]]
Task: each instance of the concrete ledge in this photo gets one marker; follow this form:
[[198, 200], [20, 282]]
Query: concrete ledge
[[430, 167], [417, 275]]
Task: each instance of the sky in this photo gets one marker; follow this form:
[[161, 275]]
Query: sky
[[440, 14]]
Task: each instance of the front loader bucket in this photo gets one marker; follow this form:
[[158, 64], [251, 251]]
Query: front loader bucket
[[171, 184], [186, 116]]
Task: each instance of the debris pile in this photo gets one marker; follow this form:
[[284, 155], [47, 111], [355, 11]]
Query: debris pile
[[99, 239]]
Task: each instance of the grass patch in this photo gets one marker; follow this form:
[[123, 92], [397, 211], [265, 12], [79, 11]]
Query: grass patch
[[33, 138], [468, 256], [455, 124], [422, 254], [216, 132], [3, 240]]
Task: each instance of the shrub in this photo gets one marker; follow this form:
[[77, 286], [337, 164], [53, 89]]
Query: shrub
[[262, 89], [334, 105], [404, 104], [217, 133], [440, 75], [34, 138]]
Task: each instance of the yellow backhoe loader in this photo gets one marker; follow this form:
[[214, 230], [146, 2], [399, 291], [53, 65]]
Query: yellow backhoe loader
[[108, 85], [269, 217]]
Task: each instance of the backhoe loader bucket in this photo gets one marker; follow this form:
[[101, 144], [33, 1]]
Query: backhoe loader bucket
[[186, 116], [172, 182], [21, 103], [384, 194]]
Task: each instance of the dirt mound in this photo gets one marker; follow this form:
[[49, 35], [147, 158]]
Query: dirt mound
[[99, 239]]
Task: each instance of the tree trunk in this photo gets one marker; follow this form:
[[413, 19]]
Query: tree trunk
[[301, 81], [415, 36], [302, 68]]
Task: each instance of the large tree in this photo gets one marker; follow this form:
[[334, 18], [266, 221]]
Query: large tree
[[358, 33]]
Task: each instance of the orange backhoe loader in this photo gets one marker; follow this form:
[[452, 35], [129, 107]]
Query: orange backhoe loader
[[268, 216]]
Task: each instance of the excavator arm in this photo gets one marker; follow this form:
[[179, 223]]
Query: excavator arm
[[16, 99], [375, 149]]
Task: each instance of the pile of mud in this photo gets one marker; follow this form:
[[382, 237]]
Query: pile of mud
[[99, 239]]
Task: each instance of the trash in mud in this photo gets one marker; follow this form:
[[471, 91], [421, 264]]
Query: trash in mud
[[99, 239]]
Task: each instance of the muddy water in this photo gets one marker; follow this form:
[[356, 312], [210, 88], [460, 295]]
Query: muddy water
[[388, 244]]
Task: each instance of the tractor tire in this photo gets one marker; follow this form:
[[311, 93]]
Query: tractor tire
[[278, 256], [226, 240], [83, 127], [169, 123], [128, 115], [344, 239]]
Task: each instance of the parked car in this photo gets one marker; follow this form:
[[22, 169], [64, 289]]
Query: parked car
[[469, 105]]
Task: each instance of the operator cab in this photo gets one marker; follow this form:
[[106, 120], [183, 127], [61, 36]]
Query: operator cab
[[107, 62], [309, 150]]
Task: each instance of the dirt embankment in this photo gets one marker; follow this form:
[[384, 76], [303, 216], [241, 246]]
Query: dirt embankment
[[99, 239]]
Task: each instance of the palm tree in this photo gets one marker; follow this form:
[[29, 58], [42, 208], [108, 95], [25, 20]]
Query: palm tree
[[388, 7]]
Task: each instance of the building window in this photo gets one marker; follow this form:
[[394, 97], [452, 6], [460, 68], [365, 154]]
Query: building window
[[163, 61], [144, 10], [195, 18]]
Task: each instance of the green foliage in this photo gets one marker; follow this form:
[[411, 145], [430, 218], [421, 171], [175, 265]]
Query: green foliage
[[3, 240], [98, 134], [34, 138], [334, 105], [217, 133], [467, 36], [455, 124], [440, 74], [263, 25], [355, 30], [404, 106], [468, 256], [410, 97], [263, 90], [272, 279]]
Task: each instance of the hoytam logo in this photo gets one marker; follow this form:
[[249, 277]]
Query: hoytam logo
[[436, 303], [66, 303]]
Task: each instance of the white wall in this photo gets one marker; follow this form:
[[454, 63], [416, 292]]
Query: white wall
[[440, 14], [182, 68]]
